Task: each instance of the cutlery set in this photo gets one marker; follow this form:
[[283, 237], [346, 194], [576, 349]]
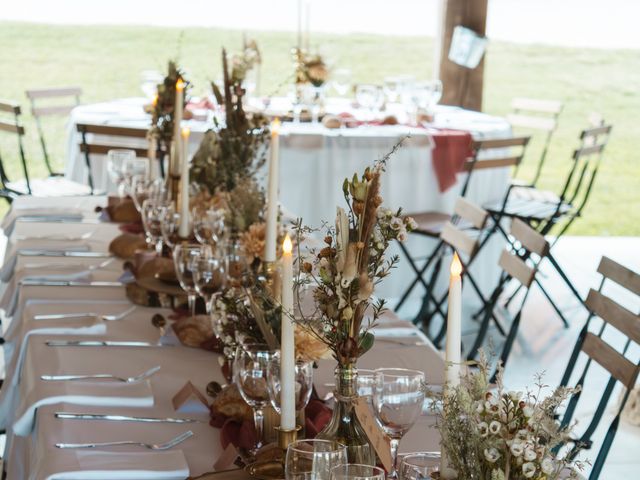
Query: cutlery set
[[151, 446]]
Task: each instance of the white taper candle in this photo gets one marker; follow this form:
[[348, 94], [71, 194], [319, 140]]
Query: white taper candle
[[183, 228], [287, 342], [271, 233]]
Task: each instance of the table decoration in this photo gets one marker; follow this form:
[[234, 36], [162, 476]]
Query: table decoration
[[344, 274], [490, 433]]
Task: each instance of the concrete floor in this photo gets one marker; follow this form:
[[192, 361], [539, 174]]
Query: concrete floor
[[544, 345]]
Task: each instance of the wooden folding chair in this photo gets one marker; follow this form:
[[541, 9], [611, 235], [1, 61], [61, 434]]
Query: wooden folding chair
[[545, 210], [620, 368], [52, 186], [118, 136], [519, 263], [71, 95], [533, 115], [498, 153]]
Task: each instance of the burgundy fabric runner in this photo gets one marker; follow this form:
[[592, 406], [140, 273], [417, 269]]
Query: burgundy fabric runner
[[452, 148]]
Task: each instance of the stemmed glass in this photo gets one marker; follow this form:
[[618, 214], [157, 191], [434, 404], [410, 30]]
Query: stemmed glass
[[341, 80], [152, 212], [250, 375], [367, 97], [209, 275], [303, 378], [355, 471], [116, 159], [418, 466], [134, 167], [184, 259], [208, 225], [171, 225], [398, 396], [143, 188], [313, 459], [391, 88]]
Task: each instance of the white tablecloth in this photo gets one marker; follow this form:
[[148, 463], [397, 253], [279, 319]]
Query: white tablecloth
[[314, 161], [31, 453]]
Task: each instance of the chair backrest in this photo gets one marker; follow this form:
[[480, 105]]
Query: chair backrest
[[118, 137], [586, 162], [453, 233], [513, 263], [71, 94], [618, 366], [536, 115], [10, 122]]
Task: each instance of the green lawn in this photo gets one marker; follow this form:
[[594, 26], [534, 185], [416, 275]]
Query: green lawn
[[106, 62]]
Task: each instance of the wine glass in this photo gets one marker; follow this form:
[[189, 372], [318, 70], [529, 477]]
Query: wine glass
[[116, 159], [209, 275], [235, 264], [391, 88], [398, 395], [208, 225], [366, 382], [303, 382], [418, 466], [171, 225], [366, 96], [436, 92], [313, 459], [184, 257], [149, 80], [250, 375], [341, 81], [356, 471], [143, 188], [134, 167], [152, 213]]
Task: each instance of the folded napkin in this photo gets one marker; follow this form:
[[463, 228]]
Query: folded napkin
[[11, 259], [103, 394], [452, 148], [105, 465]]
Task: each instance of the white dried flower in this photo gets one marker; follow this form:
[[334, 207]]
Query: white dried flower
[[547, 466], [522, 434], [517, 449], [479, 407], [396, 223], [411, 223], [491, 454], [515, 396], [529, 453], [483, 429], [528, 469], [402, 236], [494, 427], [527, 411]]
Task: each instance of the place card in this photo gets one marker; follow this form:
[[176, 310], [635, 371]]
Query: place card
[[190, 400], [227, 458], [378, 439]]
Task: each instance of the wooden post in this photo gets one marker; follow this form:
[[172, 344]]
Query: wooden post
[[461, 86]]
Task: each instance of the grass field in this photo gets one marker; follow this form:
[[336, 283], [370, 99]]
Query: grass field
[[106, 62]]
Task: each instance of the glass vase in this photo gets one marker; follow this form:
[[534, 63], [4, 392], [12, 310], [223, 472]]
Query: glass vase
[[344, 426]]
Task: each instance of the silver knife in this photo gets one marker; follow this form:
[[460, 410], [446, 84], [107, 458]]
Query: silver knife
[[101, 343], [67, 283], [29, 252], [57, 219], [60, 316], [122, 418]]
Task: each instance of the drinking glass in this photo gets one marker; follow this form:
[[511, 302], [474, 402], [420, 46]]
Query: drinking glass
[[250, 375], [208, 225], [366, 96], [152, 213], [235, 264], [391, 88], [143, 188], [341, 81], [313, 459], [303, 377], [184, 258], [366, 382], [209, 275], [436, 92], [398, 395], [116, 159], [171, 225], [133, 167], [356, 471], [149, 80], [419, 466]]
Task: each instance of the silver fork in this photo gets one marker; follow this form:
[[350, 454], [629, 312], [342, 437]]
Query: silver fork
[[98, 376], [84, 236], [151, 446], [119, 316]]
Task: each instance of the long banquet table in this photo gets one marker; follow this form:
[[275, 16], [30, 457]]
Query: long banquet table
[[314, 160], [28, 404]]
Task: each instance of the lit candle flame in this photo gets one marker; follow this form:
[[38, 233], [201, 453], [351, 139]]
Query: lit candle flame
[[155, 100], [275, 127], [287, 245], [186, 131], [456, 266], [180, 84]]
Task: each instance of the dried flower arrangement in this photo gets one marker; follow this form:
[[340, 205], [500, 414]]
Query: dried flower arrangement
[[310, 68], [162, 127], [490, 433], [344, 273]]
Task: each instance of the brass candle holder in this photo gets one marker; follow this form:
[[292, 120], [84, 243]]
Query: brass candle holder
[[273, 469]]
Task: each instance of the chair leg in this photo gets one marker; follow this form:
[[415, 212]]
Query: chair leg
[[508, 344], [418, 271], [480, 336], [425, 314], [565, 278]]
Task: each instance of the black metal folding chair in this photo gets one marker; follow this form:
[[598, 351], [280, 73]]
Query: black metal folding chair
[[36, 97], [543, 210], [533, 116], [519, 263], [620, 368], [93, 142], [488, 154], [10, 123]]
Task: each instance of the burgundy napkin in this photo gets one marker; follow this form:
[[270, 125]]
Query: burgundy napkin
[[452, 148]]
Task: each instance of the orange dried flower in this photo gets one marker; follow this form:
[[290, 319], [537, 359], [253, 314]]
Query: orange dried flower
[[328, 240]]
